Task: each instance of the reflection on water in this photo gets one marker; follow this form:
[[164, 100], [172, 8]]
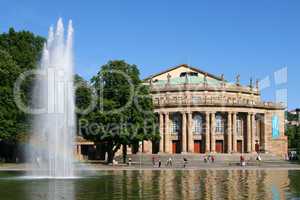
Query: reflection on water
[[54, 189], [202, 184]]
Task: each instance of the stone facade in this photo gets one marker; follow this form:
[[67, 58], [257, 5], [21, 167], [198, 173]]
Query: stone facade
[[202, 113]]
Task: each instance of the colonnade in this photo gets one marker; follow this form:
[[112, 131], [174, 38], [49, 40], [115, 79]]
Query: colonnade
[[186, 138]]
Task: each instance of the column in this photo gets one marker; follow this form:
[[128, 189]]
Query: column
[[212, 132], [161, 132], [229, 132], [79, 152], [190, 133], [167, 134], [253, 130], [183, 132], [207, 131], [257, 129], [248, 132], [234, 134]]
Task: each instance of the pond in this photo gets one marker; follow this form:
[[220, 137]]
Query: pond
[[156, 184]]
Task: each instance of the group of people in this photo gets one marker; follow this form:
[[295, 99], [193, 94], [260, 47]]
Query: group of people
[[292, 156], [169, 162], [209, 158], [243, 160]]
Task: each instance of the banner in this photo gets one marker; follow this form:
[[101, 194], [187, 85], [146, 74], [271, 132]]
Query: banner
[[275, 127]]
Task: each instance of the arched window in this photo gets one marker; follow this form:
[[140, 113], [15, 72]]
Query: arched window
[[175, 127], [198, 124], [220, 124]]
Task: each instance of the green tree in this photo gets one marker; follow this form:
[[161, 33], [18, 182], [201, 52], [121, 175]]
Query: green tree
[[83, 94], [117, 84], [24, 47], [10, 118], [83, 98], [293, 134], [291, 117], [19, 52]]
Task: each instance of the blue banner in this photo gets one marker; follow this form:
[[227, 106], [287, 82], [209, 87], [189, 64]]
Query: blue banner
[[275, 127]]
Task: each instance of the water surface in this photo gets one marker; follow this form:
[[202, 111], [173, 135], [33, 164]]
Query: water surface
[[147, 184]]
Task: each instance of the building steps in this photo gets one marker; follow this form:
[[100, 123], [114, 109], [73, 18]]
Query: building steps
[[196, 159]]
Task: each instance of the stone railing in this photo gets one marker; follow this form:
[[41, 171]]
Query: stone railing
[[221, 102], [202, 87]]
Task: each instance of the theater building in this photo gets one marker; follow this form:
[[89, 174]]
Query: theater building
[[203, 113]]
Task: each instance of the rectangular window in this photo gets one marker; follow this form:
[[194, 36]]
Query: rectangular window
[[198, 129], [219, 128], [239, 127], [220, 125], [175, 128]]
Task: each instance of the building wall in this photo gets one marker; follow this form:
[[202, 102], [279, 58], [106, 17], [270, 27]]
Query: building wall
[[278, 145], [226, 98]]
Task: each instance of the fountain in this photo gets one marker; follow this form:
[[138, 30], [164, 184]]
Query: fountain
[[51, 144]]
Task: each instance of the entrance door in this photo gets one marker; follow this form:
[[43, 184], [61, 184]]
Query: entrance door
[[239, 146], [219, 146], [197, 146], [175, 146], [155, 147]]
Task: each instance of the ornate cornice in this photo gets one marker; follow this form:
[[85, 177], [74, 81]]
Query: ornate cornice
[[201, 103], [200, 87]]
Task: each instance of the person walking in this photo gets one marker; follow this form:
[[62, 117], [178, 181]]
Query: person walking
[[205, 159], [208, 158], [242, 161], [212, 159], [169, 162], [258, 159], [185, 161], [159, 162], [153, 161]]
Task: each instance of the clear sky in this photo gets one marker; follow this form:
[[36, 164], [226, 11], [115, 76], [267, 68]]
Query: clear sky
[[254, 38]]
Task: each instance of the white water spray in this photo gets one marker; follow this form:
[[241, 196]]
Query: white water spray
[[51, 147]]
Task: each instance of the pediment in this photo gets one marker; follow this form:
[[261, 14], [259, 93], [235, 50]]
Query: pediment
[[179, 72]]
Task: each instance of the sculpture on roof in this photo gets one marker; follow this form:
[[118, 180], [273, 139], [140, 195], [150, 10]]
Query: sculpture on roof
[[205, 79], [238, 77], [186, 78], [257, 84], [169, 78], [223, 80]]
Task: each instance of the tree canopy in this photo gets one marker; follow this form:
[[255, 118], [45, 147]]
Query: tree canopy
[[293, 134], [19, 52], [123, 114]]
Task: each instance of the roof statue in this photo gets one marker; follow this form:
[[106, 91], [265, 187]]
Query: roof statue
[[223, 80], [238, 77], [205, 79], [169, 78], [186, 78]]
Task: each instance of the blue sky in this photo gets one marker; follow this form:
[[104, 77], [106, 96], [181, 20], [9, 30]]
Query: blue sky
[[254, 38]]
